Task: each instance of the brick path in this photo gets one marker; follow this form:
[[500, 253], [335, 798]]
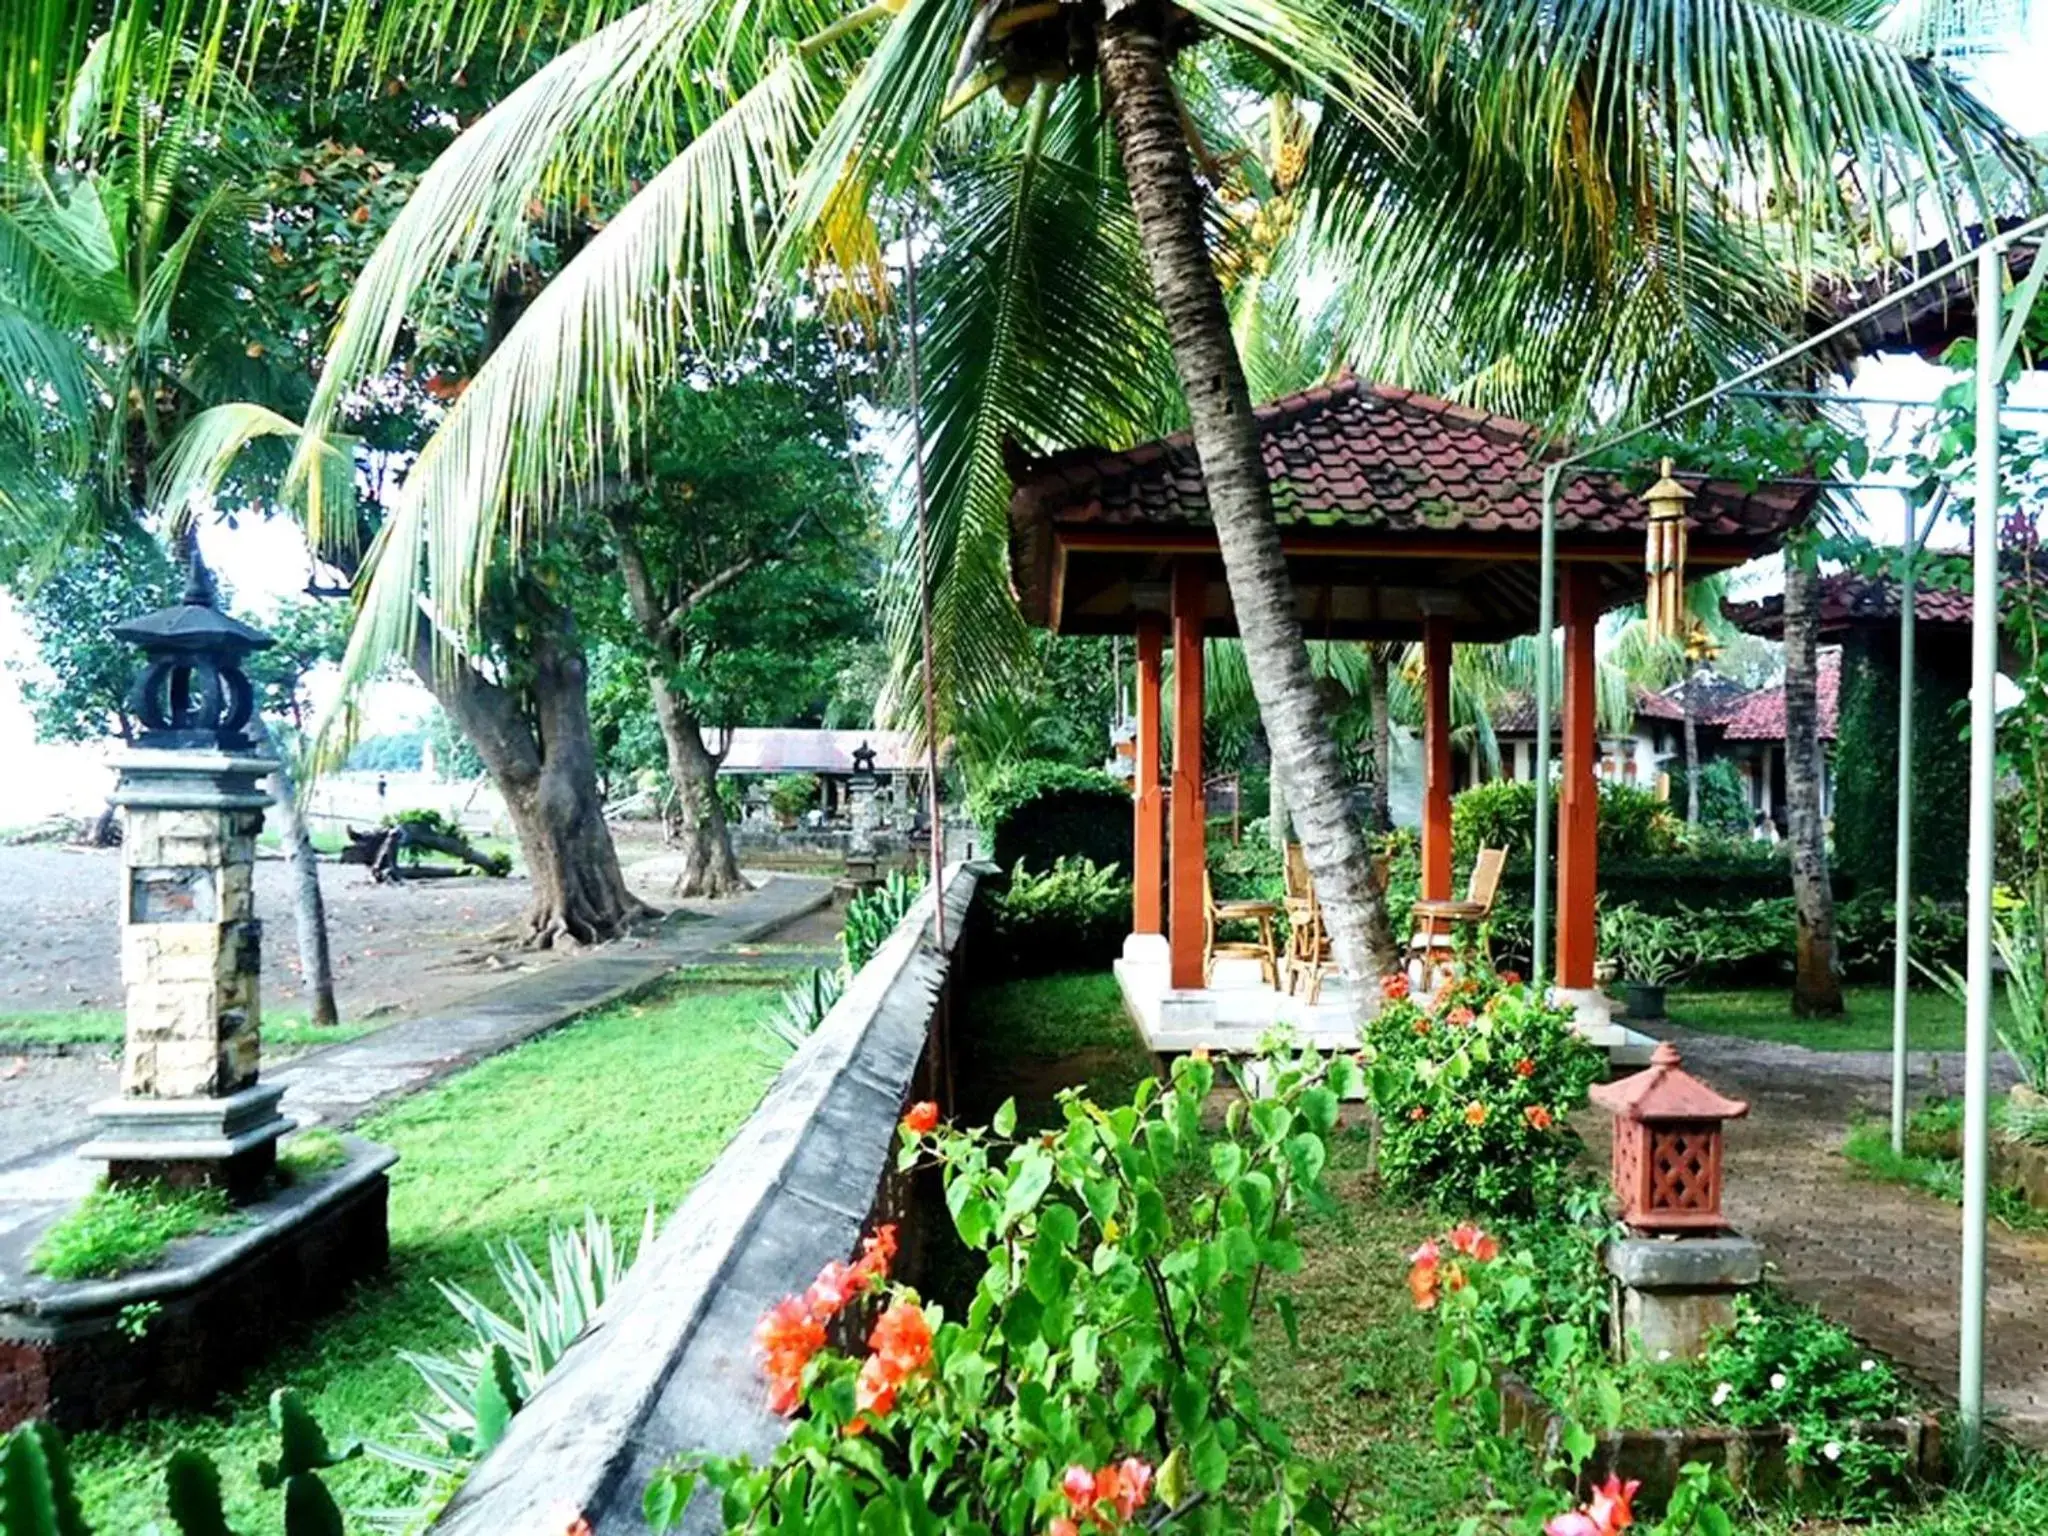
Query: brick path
[[1881, 1260]]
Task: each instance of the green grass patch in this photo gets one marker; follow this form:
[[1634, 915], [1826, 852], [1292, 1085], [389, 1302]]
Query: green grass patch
[[120, 1227], [777, 976], [619, 1110], [308, 1155], [1032, 1037], [1932, 1161], [1934, 1020], [105, 1026]]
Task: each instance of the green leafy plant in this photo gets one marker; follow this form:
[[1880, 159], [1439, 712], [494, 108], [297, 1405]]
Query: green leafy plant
[[1036, 811], [1649, 950], [2019, 932], [1471, 1087], [121, 1227], [479, 1390], [873, 915], [791, 795], [1634, 823], [1099, 1371], [1069, 917]]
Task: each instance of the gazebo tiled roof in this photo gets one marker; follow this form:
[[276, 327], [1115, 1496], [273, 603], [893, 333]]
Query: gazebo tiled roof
[[1760, 716], [1360, 468], [1849, 601]]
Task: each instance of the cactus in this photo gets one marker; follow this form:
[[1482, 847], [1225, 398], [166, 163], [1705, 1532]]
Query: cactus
[[192, 1490], [303, 1453], [36, 1496]]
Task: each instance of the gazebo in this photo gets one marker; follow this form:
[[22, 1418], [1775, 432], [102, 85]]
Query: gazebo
[[1403, 517]]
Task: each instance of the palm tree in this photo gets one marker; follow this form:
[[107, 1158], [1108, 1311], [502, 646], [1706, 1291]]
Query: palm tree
[[1533, 193]]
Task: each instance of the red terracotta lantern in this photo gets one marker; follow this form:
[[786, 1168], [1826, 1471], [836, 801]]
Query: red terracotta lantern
[[1667, 1145]]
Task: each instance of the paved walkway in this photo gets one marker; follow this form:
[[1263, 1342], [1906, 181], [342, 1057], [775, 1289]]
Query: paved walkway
[[1880, 1259], [341, 1083]]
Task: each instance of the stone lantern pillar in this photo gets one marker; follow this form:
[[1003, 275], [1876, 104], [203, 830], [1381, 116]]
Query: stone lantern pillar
[[191, 1110], [1680, 1271], [863, 813]]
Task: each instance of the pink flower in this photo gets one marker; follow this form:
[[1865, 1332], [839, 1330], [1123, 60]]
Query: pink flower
[[1063, 1527], [1473, 1243], [1133, 1486], [1079, 1487], [1572, 1523]]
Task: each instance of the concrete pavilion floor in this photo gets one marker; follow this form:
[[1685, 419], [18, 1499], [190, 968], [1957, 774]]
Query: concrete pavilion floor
[[1238, 1008]]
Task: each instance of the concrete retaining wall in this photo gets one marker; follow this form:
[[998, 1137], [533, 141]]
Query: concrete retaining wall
[[668, 1365]]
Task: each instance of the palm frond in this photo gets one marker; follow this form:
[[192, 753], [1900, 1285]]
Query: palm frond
[[199, 459]]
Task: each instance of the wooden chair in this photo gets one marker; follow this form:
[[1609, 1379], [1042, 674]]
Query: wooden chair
[[1260, 912], [1309, 956], [1434, 941]]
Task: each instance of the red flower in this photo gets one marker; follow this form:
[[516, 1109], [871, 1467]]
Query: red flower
[[1475, 1113], [1461, 1015], [922, 1118], [836, 1285], [1607, 1513], [1126, 1485], [1511, 978], [1419, 1112], [1394, 986], [1538, 1117], [902, 1339], [1525, 1068], [1473, 1243]]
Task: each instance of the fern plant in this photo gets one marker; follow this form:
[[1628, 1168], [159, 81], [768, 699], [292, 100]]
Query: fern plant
[[477, 1391]]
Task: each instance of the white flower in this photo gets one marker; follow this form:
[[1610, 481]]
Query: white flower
[[1870, 1365], [1777, 1381], [1663, 1355], [1832, 1450], [1723, 1392]]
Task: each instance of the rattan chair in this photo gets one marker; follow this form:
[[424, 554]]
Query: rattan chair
[[1434, 942], [1215, 912]]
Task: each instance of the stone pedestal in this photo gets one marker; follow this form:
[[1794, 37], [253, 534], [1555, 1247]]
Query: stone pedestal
[[190, 1110], [1674, 1292]]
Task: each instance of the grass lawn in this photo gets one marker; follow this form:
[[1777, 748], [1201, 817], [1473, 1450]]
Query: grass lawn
[[1934, 1020], [103, 1026], [625, 1108], [1032, 1037]]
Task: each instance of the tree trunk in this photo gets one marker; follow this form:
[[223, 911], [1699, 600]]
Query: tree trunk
[[546, 769], [1168, 203], [1817, 980], [1279, 830], [309, 908], [1382, 740], [1692, 751], [709, 868]]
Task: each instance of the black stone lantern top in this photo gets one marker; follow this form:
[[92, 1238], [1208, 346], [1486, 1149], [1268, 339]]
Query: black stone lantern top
[[864, 761], [193, 694]]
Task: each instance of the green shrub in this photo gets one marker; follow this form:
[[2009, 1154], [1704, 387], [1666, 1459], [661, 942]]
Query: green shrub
[[1071, 917], [1037, 812], [1471, 1088], [1253, 870], [1724, 804], [791, 795], [1633, 822], [873, 915]]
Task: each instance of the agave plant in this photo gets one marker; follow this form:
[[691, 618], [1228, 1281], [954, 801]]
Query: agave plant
[[801, 1009], [477, 1391], [873, 915]]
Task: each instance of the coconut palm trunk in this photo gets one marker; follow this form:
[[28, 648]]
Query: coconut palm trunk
[[1377, 661], [309, 907], [1168, 202], [1817, 978]]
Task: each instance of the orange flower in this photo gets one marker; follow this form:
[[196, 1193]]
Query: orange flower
[[875, 1390], [1394, 986], [1424, 1266], [876, 1251], [788, 1335], [1079, 1487], [1419, 1112], [1062, 1526], [836, 1285], [1525, 1068], [1609, 1505], [902, 1339], [1511, 978], [1422, 1025], [1126, 1485], [1475, 1113], [1538, 1117], [922, 1118], [1461, 1015], [1473, 1243]]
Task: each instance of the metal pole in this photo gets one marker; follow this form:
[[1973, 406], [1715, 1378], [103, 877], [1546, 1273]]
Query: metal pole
[[1902, 965], [926, 669], [1546, 621], [1983, 753]]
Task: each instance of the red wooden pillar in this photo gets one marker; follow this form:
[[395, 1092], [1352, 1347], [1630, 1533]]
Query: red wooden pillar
[[1579, 794], [1184, 814], [1436, 759], [1148, 844]]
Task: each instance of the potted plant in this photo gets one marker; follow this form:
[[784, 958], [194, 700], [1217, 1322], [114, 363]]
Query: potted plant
[[1649, 954]]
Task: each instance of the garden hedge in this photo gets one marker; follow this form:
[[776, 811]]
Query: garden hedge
[[1867, 777], [1038, 812]]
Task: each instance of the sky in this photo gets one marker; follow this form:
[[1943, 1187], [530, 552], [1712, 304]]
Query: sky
[[259, 562]]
